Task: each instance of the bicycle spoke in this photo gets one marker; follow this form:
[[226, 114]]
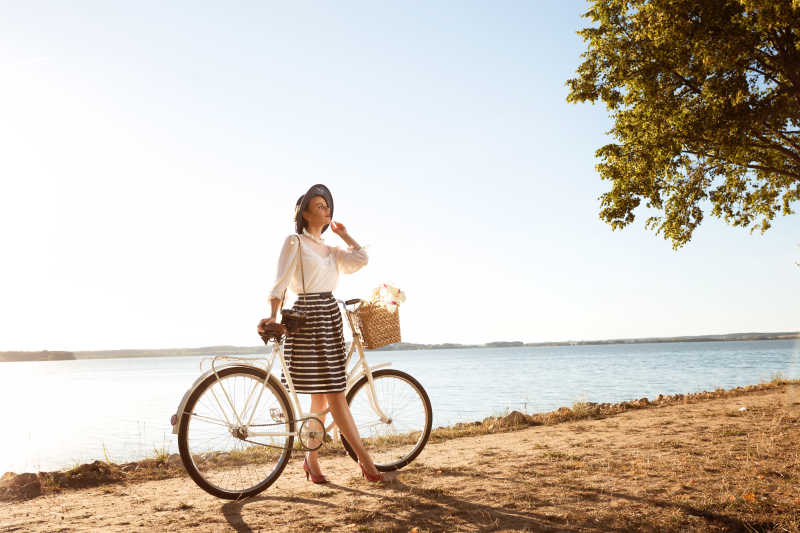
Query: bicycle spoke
[[209, 420]]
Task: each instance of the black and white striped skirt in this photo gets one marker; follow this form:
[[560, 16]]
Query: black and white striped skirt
[[316, 355]]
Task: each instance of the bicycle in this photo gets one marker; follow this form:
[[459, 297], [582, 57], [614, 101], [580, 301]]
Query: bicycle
[[234, 449]]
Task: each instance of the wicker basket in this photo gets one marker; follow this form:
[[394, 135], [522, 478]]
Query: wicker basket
[[379, 326]]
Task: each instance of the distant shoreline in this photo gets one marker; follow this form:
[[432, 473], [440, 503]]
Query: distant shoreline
[[45, 355]]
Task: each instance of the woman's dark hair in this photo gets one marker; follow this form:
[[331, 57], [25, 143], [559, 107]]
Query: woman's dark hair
[[302, 204]]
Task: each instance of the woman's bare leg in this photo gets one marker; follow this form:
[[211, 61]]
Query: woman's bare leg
[[318, 405], [347, 426]]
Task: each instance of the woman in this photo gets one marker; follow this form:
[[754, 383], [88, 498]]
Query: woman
[[316, 355]]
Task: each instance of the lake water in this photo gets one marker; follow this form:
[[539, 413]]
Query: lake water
[[60, 413]]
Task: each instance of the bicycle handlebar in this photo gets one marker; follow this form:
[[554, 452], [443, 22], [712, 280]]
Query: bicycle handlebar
[[349, 302]]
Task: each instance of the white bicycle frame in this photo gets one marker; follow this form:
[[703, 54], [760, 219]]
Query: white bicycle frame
[[360, 369]]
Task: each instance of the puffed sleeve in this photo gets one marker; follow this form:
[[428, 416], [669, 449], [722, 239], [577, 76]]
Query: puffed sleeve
[[350, 260], [287, 263]]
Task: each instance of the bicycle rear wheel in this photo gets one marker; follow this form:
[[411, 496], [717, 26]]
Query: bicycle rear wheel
[[233, 432], [395, 442]]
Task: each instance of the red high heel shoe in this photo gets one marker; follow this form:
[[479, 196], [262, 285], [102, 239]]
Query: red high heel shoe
[[314, 478], [371, 477]]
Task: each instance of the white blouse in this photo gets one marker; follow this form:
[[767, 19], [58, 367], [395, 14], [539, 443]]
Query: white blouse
[[321, 273]]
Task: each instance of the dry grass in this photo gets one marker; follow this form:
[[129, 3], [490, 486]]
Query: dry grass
[[582, 410]]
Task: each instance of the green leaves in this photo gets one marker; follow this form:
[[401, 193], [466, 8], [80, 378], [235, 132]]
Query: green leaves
[[705, 97]]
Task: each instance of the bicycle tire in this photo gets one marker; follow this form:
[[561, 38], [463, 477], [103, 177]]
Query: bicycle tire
[[276, 395], [386, 456]]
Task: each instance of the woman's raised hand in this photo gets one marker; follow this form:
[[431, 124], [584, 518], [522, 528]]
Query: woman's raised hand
[[338, 228]]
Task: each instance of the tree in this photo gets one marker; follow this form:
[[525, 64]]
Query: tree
[[705, 99]]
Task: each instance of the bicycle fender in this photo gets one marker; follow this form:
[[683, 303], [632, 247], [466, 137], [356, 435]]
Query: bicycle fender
[[176, 418]]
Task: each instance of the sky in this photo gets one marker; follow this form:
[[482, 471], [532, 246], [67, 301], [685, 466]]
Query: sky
[[151, 154]]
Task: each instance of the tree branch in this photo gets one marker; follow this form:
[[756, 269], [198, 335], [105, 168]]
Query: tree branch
[[777, 146], [763, 73], [765, 168], [788, 140], [687, 82]]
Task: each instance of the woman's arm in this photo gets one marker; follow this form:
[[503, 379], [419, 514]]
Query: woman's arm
[[354, 257], [286, 265], [275, 303], [340, 230], [350, 241]]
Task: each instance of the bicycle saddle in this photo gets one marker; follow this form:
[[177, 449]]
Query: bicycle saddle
[[272, 331]]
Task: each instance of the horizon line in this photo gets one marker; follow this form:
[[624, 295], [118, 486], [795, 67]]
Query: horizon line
[[796, 334]]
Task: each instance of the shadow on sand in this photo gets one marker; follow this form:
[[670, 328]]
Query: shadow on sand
[[409, 506]]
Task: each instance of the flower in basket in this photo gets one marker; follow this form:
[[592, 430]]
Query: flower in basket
[[388, 297]]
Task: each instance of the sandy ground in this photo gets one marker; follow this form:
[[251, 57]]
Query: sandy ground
[[707, 466]]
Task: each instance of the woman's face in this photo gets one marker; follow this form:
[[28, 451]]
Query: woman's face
[[317, 213]]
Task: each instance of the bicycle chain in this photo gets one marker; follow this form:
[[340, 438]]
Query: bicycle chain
[[303, 447]]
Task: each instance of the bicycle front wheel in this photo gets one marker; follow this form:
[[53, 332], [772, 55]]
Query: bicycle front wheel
[[396, 440], [235, 434]]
